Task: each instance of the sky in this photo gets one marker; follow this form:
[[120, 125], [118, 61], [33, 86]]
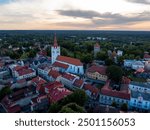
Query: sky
[[75, 15]]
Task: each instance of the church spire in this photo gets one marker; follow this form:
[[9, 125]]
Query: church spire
[[55, 41]]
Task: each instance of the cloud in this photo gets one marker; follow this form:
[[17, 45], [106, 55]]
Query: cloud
[[106, 18], [140, 1]]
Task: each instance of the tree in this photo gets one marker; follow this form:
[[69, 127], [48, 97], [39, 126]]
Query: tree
[[72, 108], [124, 107], [4, 91], [87, 58], [114, 104], [114, 73], [102, 55], [109, 61], [79, 97]]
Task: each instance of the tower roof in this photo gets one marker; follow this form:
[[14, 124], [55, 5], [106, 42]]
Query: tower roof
[[55, 41]]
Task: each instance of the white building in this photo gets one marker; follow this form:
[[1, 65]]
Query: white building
[[73, 65], [119, 53], [138, 64], [128, 63], [140, 101], [140, 96], [55, 50]]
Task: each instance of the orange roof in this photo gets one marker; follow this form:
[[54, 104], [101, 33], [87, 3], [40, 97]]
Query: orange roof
[[54, 74], [69, 60], [78, 82], [61, 65]]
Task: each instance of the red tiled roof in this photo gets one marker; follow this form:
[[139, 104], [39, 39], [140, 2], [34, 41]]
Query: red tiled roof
[[54, 74], [14, 109], [21, 81], [146, 56], [106, 90], [38, 81], [68, 76], [52, 85], [92, 89], [59, 93], [61, 65], [69, 60], [25, 71], [99, 69], [78, 82], [17, 68]]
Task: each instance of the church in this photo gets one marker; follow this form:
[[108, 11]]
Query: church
[[64, 63]]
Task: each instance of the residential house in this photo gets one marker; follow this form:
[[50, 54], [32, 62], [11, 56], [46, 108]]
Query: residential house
[[56, 91], [91, 91], [108, 96], [97, 73], [54, 75], [68, 79], [39, 103]]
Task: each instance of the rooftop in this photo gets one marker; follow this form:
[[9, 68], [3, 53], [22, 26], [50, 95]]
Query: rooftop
[[92, 89], [69, 60], [68, 76], [123, 93], [54, 74], [61, 65], [78, 83], [99, 69]]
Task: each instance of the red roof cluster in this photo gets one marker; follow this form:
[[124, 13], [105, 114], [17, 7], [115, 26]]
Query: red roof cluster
[[99, 69], [107, 90], [92, 89], [61, 65], [54, 74], [17, 68], [25, 71], [52, 85], [68, 76], [9, 106], [146, 56], [69, 60], [39, 82], [78, 83], [56, 91]]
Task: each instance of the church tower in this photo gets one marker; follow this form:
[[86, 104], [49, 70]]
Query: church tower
[[55, 50]]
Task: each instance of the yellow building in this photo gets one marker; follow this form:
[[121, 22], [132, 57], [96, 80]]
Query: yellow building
[[97, 73]]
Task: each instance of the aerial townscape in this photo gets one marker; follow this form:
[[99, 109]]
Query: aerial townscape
[[74, 72]]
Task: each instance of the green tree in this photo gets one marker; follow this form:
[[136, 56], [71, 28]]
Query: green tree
[[114, 73], [114, 104], [5, 91], [102, 55], [124, 107], [72, 108]]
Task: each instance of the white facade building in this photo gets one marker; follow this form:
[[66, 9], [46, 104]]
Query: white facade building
[[74, 65]]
